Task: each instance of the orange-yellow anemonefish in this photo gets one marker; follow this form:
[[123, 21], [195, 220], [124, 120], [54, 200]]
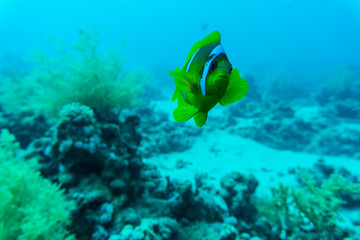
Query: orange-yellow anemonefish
[[206, 79]]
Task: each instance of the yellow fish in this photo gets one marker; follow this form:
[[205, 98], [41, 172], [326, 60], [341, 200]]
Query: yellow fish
[[206, 79]]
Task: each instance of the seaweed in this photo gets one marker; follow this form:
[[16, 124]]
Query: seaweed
[[31, 207], [80, 74]]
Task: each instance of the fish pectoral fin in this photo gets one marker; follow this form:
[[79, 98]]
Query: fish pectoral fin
[[200, 118], [177, 94], [184, 113], [184, 81], [182, 101], [236, 89]]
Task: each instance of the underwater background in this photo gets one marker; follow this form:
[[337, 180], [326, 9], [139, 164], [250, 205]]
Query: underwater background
[[89, 148]]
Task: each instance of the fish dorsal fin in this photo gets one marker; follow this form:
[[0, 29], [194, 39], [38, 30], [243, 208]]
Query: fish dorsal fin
[[213, 37]]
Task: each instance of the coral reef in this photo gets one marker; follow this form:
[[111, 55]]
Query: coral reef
[[159, 135], [95, 159], [308, 212], [91, 168], [156, 229], [94, 156], [327, 125], [238, 191], [343, 86], [200, 230], [25, 126], [191, 205], [279, 86], [340, 95], [280, 125]]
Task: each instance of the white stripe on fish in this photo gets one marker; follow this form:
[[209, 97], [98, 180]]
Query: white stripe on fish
[[215, 52]]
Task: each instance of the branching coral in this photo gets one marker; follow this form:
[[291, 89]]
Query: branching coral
[[310, 212], [83, 76]]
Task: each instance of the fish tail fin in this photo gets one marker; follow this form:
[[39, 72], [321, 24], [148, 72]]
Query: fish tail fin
[[184, 81], [184, 113], [200, 118], [236, 89]]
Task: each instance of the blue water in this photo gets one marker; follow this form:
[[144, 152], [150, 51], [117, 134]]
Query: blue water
[[303, 39], [301, 59]]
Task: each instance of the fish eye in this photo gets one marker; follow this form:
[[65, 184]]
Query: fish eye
[[231, 69], [213, 66]]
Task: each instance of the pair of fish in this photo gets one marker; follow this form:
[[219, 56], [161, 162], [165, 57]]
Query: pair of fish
[[206, 79]]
